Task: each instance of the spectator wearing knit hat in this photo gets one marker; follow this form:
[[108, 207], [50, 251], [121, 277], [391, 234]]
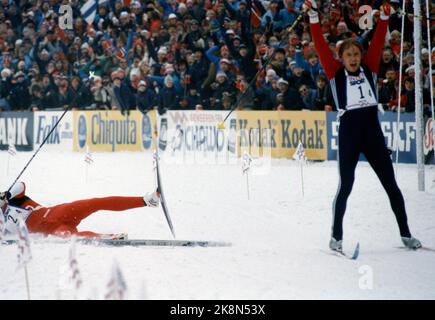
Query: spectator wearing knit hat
[[223, 53], [287, 98], [192, 99], [168, 71], [300, 76], [225, 66], [221, 87], [265, 90], [193, 38], [146, 98], [82, 97], [169, 99], [101, 94], [19, 95], [199, 69], [5, 89]]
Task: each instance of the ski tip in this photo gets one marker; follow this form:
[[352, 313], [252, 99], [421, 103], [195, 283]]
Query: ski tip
[[356, 252]]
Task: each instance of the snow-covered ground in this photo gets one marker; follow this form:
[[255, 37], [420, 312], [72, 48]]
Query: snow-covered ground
[[279, 237]]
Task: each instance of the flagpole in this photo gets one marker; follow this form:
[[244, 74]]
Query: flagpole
[[27, 281], [247, 183], [302, 178], [300, 156]]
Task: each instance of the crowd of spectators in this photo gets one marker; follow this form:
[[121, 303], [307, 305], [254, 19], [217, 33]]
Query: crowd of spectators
[[190, 54]]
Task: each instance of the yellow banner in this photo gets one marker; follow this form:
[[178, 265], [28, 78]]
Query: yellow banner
[[112, 131], [277, 133]]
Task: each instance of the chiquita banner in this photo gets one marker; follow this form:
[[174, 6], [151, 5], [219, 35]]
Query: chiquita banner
[[111, 131]]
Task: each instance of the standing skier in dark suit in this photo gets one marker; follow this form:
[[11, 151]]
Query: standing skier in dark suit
[[353, 82]]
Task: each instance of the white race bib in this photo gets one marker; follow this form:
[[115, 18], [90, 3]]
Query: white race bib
[[11, 218], [359, 92]]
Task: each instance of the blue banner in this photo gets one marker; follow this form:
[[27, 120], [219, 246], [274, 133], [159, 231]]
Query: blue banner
[[405, 135], [16, 128]]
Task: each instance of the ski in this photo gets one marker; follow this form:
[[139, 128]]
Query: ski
[[418, 249], [156, 243], [343, 254], [162, 195], [132, 242], [158, 177]]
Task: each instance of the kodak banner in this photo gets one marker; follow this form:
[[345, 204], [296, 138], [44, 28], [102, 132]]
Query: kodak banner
[[111, 131], [277, 134]]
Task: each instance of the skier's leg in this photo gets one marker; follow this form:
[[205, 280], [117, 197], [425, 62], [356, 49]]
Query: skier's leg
[[71, 214], [377, 155], [348, 154]]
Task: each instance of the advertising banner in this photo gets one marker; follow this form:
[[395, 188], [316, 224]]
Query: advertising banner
[[196, 132], [110, 131], [16, 128], [429, 141], [402, 136], [279, 133], [61, 139]]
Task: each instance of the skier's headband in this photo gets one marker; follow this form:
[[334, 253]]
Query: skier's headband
[[348, 43]]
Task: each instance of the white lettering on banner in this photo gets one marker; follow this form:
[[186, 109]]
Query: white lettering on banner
[[386, 129], [410, 134], [22, 125], [13, 130], [407, 130], [199, 138], [428, 139], [44, 128]]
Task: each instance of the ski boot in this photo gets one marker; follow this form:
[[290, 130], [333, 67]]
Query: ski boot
[[152, 199], [411, 243], [335, 245]]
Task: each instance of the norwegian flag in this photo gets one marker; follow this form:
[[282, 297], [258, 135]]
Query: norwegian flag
[[88, 157], [2, 224], [24, 254], [11, 149], [300, 153], [74, 272], [116, 287]]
